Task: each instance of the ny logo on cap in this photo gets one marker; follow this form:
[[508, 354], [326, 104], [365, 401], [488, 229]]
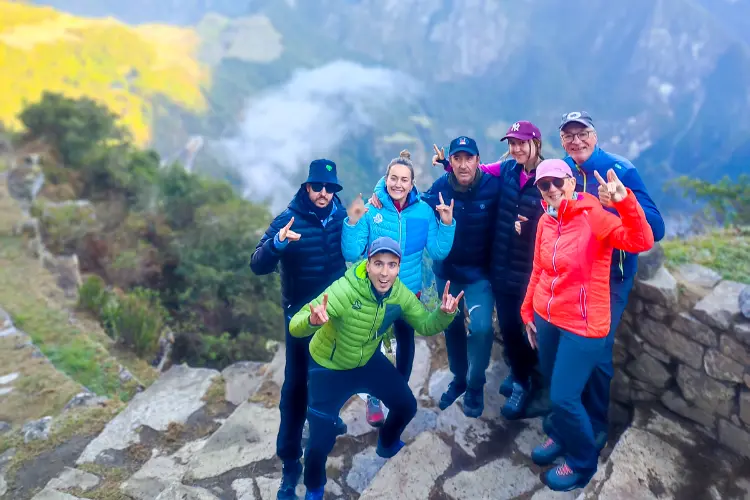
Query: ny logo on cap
[[515, 127], [462, 141]]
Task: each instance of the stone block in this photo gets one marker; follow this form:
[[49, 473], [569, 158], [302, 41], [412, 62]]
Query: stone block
[[677, 404], [745, 407], [650, 262], [659, 313], [720, 307], [660, 289], [673, 343], [705, 392], [734, 437], [732, 348], [742, 332], [722, 367], [653, 351], [744, 302], [695, 330], [648, 369], [620, 388]]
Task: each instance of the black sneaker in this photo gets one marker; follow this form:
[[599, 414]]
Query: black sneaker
[[454, 391], [474, 402], [290, 474]]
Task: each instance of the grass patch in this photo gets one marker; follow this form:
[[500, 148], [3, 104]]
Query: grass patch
[[76, 422], [80, 349], [109, 487], [725, 251]]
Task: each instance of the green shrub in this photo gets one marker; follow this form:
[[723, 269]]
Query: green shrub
[[92, 294]]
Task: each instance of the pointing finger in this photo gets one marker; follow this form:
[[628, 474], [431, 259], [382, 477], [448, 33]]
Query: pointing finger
[[325, 300], [440, 195], [599, 178], [460, 296], [447, 287], [437, 151], [452, 202], [611, 175], [522, 218]]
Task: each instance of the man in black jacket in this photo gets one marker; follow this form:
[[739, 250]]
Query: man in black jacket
[[305, 239]]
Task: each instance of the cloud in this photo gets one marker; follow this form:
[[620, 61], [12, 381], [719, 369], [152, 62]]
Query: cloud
[[306, 118]]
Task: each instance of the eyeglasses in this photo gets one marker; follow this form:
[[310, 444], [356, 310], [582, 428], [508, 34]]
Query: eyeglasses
[[544, 184], [318, 187], [582, 135]]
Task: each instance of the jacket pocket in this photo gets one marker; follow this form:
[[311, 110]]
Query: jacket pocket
[[582, 302], [333, 351]]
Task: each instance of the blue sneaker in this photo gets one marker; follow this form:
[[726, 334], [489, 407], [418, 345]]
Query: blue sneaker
[[506, 388], [316, 494], [563, 478], [455, 389], [473, 402], [601, 440], [290, 474], [546, 453], [515, 405], [341, 427], [384, 452]]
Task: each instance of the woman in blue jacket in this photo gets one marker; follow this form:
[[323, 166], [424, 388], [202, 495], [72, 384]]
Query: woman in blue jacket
[[412, 223]]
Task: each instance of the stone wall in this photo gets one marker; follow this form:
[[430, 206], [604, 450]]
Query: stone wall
[[684, 341]]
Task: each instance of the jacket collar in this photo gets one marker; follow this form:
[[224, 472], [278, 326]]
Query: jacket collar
[[337, 211], [590, 164], [570, 208]]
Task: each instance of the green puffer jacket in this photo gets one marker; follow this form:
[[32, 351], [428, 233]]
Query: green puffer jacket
[[358, 320]]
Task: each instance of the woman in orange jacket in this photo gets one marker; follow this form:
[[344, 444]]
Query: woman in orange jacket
[[566, 309]]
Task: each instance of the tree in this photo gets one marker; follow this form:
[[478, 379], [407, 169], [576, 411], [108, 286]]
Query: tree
[[729, 199]]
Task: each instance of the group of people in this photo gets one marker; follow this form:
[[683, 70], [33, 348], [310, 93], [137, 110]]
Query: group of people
[[550, 244]]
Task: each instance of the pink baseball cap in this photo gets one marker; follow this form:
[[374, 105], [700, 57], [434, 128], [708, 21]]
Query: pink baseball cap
[[553, 168], [524, 131]]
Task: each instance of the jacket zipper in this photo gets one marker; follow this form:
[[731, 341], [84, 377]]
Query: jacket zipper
[[554, 266], [333, 350], [582, 300], [362, 347], [399, 232]]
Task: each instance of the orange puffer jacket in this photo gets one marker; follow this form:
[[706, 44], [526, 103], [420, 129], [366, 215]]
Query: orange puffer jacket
[[569, 285]]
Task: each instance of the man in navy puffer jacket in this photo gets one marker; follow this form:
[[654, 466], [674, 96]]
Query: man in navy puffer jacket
[[305, 242]]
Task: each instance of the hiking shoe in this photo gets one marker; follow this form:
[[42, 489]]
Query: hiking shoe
[[546, 453], [516, 404], [316, 494], [455, 390], [340, 427], [473, 402], [290, 474], [506, 388], [384, 452], [374, 413], [563, 478]]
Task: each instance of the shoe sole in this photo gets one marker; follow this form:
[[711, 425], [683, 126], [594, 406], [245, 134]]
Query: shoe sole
[[377, 424], [546, 462]]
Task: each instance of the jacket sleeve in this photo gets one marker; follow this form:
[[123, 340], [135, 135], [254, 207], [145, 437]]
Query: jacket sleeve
[[425, 323], [632, 180], [268, 251], [630, 231], [439, 237], [527, 308], [354, 238], [300, 326]]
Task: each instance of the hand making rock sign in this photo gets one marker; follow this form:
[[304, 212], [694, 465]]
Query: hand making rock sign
[[450, 303], [612, 190], [445, 211], [357, 209], [318, 314], [285, 233]]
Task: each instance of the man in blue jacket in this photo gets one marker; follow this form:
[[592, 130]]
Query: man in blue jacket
[[578, 137], [467, 267], [305, 239]]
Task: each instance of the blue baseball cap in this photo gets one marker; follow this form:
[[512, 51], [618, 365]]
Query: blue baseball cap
[[384, 244], [463, 143], [581, 117]]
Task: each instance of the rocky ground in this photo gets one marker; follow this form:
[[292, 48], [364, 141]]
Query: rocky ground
[[200, 434]]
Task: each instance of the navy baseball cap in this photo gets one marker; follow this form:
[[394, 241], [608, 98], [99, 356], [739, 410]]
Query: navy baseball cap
[[384, 244], [581, 117], [463, 143]]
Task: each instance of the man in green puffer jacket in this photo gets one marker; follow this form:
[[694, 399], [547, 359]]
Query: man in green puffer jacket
[[348, 321]]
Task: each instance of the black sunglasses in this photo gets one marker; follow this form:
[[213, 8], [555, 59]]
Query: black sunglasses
[[318, 187], [544, 185]]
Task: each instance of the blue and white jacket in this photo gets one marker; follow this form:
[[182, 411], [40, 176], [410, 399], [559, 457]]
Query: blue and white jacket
[[415, 228]]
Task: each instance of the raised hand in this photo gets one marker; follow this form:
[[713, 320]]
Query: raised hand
[[531, 334], [375, 201], [450, 303], [286, 233], [612, 190], [438, 156], [517, 225], [318, 314], [445, 211], [356, 210]]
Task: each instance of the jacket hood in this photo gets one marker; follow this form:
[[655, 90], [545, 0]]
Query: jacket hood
[[580, 203], [382, 193]]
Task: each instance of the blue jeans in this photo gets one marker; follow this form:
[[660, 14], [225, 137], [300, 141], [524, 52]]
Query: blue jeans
[[330, 389], [567, 362], [596, 394], [293, 404], [469, 352]]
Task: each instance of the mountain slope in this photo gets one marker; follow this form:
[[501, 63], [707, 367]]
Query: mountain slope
[[122, 66]]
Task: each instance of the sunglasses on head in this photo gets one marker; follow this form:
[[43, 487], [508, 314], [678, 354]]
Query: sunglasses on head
[[318, 187], [545, 184]]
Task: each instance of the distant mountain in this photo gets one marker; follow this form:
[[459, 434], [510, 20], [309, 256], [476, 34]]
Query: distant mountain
[[666, 80]]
